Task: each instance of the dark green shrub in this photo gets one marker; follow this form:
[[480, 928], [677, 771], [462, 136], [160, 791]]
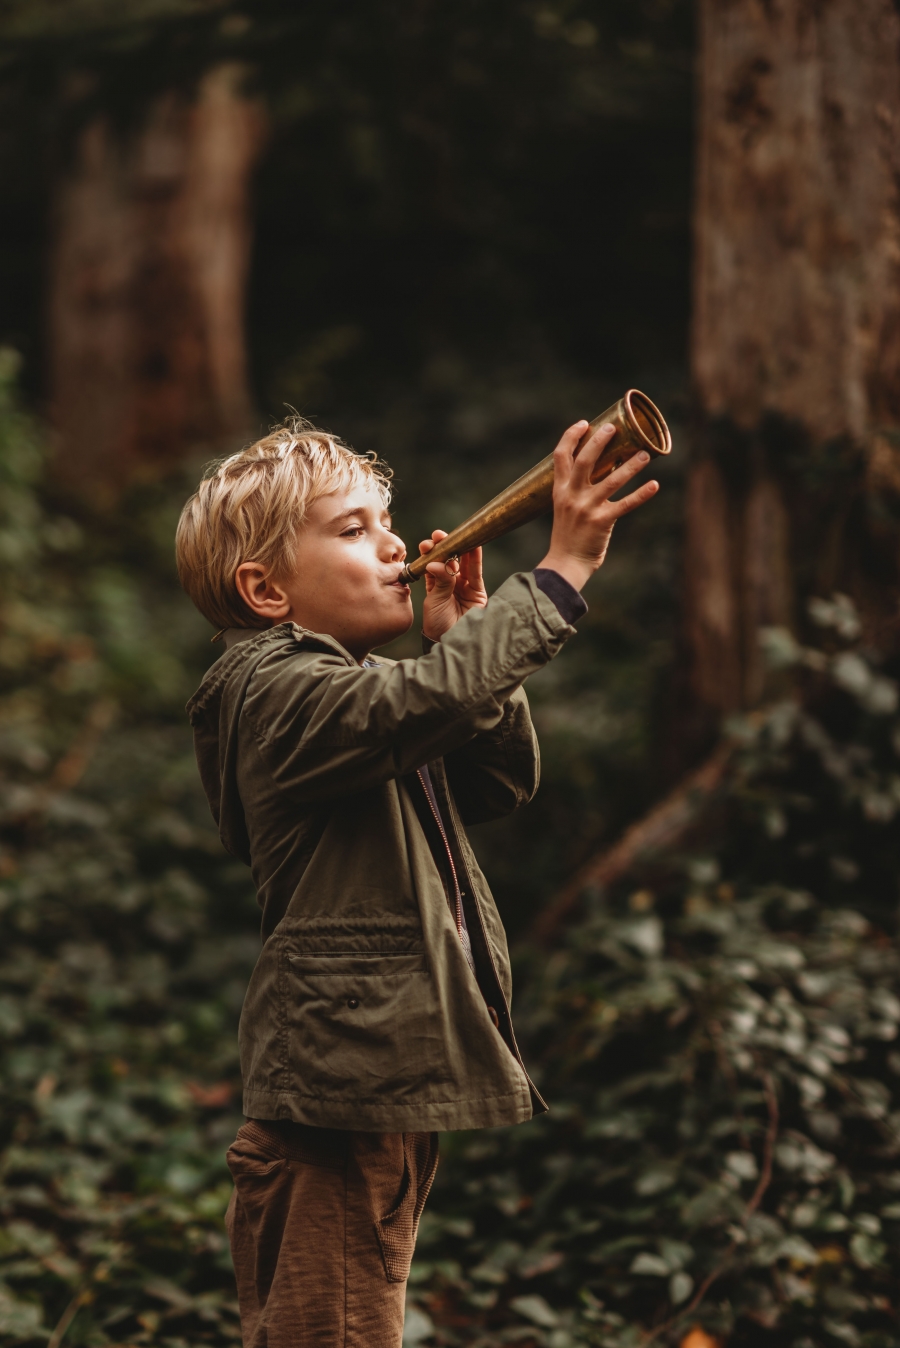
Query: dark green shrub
[[718, 1040], [126, 937]]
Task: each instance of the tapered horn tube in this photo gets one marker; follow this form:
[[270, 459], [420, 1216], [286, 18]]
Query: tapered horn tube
[[639, 425]]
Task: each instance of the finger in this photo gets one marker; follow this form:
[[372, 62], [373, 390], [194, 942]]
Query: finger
[[636, 499], [589, 453], [444, 575], [471, 569], [428, 543], [563, 454], [623, 474]]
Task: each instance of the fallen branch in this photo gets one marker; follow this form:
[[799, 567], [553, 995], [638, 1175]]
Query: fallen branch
[[765, 1179], [82, 1298], [71, 767], [666, 823]]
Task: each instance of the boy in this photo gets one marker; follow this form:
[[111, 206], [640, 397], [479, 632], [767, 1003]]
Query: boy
[[378, 1011]]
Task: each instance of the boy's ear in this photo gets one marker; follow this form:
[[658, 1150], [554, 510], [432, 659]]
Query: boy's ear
[[261, 593]]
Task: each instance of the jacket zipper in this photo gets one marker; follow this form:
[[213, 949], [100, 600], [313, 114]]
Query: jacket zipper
[[457, 891], [487, 945]]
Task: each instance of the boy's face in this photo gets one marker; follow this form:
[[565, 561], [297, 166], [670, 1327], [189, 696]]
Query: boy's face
[[344, 581]]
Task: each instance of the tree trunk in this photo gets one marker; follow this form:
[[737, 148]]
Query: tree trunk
[[146, 288], [796, 328]]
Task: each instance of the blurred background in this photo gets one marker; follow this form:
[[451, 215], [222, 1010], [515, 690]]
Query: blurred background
[[445, 233]]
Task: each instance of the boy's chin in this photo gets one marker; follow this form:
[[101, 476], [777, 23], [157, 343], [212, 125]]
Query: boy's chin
[[391, 631]]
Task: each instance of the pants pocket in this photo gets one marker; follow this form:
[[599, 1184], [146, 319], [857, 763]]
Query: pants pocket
[[397, 1230], [249, 1156], [261, 1185]]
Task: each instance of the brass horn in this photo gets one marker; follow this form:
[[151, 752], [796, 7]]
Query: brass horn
[[639, 425]]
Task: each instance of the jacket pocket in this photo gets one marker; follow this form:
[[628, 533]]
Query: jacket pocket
[[378, 964], [362, 1027]]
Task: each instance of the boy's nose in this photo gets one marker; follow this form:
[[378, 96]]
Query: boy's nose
[[396, 548]]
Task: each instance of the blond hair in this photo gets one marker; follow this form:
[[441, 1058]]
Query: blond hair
[[251, 506]]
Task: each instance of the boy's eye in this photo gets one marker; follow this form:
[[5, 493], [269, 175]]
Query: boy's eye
[[353, 531]]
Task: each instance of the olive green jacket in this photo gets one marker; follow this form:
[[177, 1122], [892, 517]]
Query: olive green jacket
[[362, 1011]]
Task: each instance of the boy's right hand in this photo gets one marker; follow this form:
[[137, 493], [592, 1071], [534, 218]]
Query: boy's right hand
[[452, 588], [583, 514]]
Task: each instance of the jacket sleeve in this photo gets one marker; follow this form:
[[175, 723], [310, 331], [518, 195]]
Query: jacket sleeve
[[326, 728], [499, 769]]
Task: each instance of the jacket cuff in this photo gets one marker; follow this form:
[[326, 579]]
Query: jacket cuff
[[566, 598], [428, 644]]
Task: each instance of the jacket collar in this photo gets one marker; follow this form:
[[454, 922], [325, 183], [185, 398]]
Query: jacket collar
[[233, 636], [242, 646]]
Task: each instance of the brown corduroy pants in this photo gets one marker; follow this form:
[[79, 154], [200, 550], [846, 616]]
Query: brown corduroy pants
[[322, 1224]]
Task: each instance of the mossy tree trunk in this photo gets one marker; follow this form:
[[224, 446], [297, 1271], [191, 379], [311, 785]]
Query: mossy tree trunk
[[796, 328], [146, 287]]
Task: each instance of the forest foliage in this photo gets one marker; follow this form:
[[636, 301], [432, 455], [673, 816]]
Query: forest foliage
[[718, 1036]]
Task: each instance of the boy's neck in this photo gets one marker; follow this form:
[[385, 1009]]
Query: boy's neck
[[233, 635]]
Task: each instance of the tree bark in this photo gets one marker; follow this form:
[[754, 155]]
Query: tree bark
[[796, 323], [146, 288]]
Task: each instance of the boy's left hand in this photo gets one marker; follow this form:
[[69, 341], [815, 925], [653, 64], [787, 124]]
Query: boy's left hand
[[451, 588]]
